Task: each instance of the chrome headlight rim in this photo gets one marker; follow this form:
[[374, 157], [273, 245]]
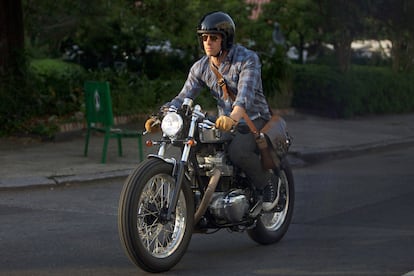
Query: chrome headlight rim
[[172, 124]]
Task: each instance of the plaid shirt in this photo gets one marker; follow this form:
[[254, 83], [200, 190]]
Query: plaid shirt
[[242, 72]]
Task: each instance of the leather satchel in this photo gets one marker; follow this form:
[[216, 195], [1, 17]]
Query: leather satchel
[[272, 140], [277, 140]]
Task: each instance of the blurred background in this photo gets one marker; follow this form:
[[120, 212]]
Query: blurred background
[[334, 58]]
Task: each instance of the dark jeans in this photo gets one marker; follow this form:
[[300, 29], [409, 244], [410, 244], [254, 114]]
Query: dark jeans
[[244, 154]]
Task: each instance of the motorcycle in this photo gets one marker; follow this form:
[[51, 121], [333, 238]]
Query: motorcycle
[[166, 198]]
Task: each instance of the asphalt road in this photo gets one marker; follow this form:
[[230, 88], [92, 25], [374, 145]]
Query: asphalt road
[[353, 217]]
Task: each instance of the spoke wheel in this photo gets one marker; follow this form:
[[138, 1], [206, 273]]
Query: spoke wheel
[[152, 241], [160, 238]]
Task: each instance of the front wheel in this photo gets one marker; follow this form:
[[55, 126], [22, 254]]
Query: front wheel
[[152, 242], [271, 227]]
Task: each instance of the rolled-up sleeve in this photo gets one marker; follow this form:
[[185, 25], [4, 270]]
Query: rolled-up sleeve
[[192, 86]]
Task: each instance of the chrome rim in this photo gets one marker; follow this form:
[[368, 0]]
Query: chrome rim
[[160, 238], [273, 221]]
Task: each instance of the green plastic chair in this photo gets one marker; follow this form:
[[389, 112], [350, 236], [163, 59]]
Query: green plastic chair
[[99, 117]]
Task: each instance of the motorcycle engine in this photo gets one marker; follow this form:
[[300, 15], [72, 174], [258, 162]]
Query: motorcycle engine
[[216, 160], [230, 207]]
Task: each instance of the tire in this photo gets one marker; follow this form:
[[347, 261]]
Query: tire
[[271, 227], [150, 243]]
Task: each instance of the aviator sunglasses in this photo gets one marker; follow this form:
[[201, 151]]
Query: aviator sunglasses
[[212, 37]]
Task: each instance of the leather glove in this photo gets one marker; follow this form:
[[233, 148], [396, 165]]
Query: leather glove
[[225, 123], [152, 125]]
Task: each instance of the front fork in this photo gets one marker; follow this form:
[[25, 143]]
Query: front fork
[[176, 191], [179, 170]]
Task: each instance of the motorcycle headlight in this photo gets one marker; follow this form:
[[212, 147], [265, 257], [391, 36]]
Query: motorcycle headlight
[[172, 124]]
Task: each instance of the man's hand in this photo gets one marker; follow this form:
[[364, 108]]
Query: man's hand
[[152, 125], [225, 123]]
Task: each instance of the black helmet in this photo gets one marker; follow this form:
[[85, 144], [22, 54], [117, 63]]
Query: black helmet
[[217, 22]]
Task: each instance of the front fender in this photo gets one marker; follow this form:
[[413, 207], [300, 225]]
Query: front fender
[[171, 161]]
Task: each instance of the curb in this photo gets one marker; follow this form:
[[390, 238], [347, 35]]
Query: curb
[[54, 181], [61, 180], [313, 157], [296, 159]]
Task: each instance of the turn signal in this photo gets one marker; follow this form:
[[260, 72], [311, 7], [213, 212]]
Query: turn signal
[[191, 142], [149, 143]]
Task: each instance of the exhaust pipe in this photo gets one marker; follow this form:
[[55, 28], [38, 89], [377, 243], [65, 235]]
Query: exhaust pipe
[[205, 201]]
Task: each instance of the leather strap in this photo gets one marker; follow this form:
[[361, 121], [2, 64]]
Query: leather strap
[[227, 92], [222, 83]]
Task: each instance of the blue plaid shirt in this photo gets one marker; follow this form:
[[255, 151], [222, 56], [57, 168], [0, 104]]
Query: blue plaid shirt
[[242, 72]]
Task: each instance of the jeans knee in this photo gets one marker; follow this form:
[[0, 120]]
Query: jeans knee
[[237, 154]]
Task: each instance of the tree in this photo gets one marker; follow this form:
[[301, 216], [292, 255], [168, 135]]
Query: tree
[[297, 21], [395, 19], [336, 22], [11, 36], [49, 24], [13, 92], [341, 22]]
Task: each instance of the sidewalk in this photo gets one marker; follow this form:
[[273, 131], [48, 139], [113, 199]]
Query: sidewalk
[[28, 163]]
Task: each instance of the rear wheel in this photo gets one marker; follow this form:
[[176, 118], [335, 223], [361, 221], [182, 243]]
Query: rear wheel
[[272, 226], [151, 241]]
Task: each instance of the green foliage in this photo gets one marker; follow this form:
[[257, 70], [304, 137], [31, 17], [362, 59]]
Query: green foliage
[[48, 88], [56, 86], [45, 128], [52, 93], [166, 66], [15, 102], [134, 94], [361, 91], [36, 100], [394, 20], [277, 78]]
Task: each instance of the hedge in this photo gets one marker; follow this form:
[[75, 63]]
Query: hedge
[[51, 91], [56, 86], [364, 90]]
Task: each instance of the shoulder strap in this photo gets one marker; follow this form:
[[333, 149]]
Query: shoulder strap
[[222, 83], [228, 92]]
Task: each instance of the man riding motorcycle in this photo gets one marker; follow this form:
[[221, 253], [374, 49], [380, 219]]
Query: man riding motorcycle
[[241, 71]]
